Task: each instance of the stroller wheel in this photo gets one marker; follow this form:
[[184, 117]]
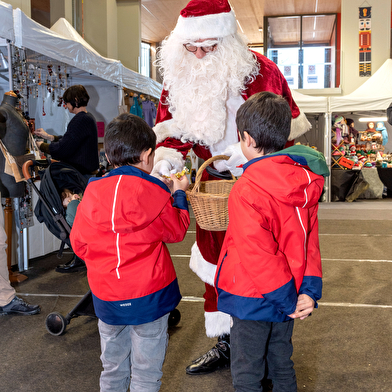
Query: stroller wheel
[[55, 324], [174, 317]]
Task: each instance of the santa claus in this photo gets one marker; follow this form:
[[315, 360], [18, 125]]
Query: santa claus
[[208, 72]]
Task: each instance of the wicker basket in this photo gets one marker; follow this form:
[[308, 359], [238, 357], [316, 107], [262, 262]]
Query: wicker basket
[[209, 199]]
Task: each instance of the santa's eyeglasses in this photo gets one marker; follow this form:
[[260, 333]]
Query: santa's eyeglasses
[[206, 49]]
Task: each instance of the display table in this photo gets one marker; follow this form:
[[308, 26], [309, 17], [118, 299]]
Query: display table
[[342, 183], [349, 185]]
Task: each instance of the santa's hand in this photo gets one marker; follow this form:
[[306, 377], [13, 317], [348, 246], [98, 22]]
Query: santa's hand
[[234, 163], [161, 168]]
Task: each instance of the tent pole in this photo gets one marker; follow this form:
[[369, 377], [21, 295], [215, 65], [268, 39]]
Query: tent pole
[[327, 154]]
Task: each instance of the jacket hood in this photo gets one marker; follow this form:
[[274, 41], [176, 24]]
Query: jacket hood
[[131, 199], [293, 176]]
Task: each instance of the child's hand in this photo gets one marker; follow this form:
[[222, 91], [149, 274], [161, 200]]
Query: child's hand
[[305, 306], [181, 183]]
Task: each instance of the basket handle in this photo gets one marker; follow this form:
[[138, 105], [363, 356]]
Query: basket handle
[[202, 168]]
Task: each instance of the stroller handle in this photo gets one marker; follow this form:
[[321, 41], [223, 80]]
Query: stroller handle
[[38, 162], [25, 169]]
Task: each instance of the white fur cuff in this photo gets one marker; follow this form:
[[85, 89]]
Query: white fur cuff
[[202, 268], [163, 130], [217, 324], [171, 155], [299, 126]]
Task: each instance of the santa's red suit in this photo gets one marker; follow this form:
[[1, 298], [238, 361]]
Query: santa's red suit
[[205, 251]]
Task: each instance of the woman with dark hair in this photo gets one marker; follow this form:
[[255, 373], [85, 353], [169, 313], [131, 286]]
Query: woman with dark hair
[[79, 145]]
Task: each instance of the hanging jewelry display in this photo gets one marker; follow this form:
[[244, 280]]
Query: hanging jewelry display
[[30, 71], [19, 77], [43, 101]]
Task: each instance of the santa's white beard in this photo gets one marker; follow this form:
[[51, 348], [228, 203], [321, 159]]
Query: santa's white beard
[[198, 98], [199, 88]]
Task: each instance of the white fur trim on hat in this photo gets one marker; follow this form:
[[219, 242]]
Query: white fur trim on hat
[[206, 26], [201, 267], [216, 323], [299, 126]]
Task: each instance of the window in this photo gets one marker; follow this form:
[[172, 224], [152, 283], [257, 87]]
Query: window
[[145, 59], [304, 49]]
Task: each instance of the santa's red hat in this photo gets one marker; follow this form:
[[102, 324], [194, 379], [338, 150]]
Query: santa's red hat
[[202, 19]]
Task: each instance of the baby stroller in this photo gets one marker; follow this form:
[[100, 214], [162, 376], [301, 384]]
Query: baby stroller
[[56, 176]]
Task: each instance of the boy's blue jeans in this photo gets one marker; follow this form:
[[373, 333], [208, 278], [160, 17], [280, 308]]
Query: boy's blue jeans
[[256, 345], [133, 349]]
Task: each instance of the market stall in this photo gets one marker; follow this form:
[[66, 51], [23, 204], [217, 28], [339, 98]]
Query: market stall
[[316, 110], [40, 64], [372, 145]]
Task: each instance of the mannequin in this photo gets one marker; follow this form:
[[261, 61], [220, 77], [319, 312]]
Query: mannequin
[[14, 133]]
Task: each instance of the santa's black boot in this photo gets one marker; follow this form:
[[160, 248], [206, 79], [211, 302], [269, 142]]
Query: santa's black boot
[[216, 358]]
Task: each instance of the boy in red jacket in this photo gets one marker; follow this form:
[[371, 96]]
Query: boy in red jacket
[[269, 270], [120, 231]]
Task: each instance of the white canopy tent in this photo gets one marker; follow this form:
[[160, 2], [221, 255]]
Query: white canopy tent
[[6, 21], [64, 44], [309, 103], [374, 94], [103, 78]]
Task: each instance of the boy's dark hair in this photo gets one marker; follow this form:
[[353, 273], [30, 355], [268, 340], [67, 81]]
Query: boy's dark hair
[[126, 137], [76, 95], [266, 117]]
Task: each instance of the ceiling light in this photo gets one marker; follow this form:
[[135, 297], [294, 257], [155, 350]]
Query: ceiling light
[[375, 119], [242, 31]]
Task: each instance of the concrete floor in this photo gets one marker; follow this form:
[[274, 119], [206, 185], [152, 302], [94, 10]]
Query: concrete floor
[[345, 346]]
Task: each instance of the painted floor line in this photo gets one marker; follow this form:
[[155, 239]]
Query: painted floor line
[[337, 304], [192, 299], [350, 305], [331, 304], [51, 295], [201, 299], [184, 298]]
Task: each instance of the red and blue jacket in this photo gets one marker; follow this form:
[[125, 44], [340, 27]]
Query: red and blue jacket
[[271, 249], [120, 231]]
